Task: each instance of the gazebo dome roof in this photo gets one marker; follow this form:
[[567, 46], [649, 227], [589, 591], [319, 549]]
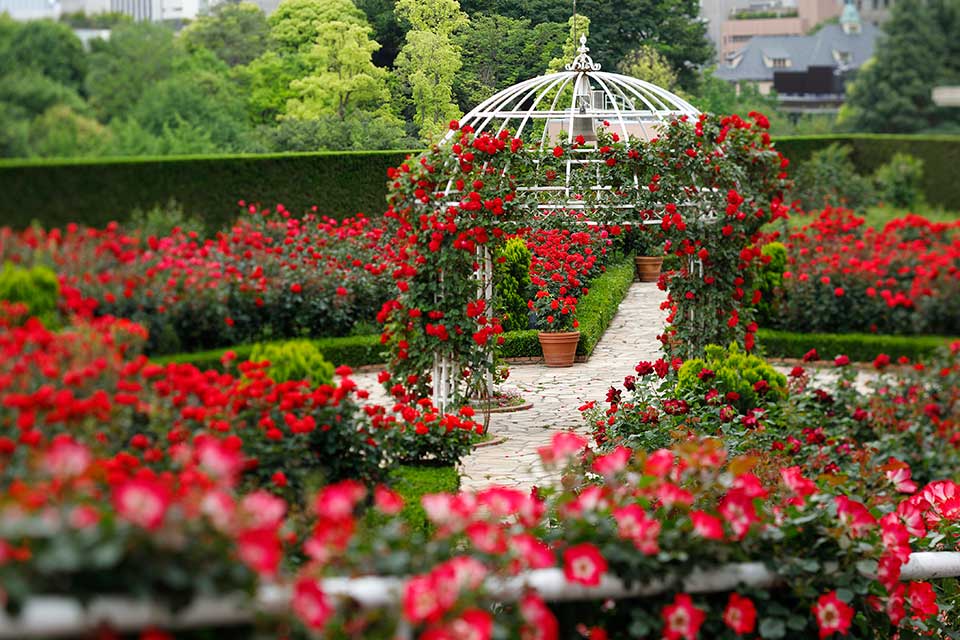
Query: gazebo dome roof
[[581, 98]]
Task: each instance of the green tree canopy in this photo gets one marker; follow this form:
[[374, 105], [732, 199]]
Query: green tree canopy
[[62, 132], [493, 48], [194, 99], [266, 84], [919, 50], [342, 76], [236, 32], [137, 56], [295, 25], [646, 63], [429, 61], [45, 46]]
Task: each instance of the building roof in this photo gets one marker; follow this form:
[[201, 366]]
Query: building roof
[[831, 46]]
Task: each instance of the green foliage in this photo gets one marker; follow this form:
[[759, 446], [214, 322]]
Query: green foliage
[[859, 347], [342, 77], [137, 56], [899, 181], [47, 47], [495, 54], [160, 220], [940, 156], [770, 281], [296, 24], [414, 482], [921, 49], [62, 132], [360, 131], [511, 277], [646, 63], [235, 32], [733, 372], [429, 61], [37, 287], [198, 101], [294, 360], [829, 178], [94, 192]]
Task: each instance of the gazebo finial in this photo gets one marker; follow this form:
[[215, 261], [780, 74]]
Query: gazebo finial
[[583, 61]]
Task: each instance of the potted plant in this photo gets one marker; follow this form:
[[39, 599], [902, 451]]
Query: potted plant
[[648, 244], [556, 319]]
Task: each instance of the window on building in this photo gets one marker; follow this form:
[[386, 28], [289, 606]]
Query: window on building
[[780, 63]]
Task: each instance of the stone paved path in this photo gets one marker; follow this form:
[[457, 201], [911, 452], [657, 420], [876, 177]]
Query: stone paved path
[[556, 394]]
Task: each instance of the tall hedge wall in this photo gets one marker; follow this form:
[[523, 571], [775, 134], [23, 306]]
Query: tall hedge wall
[[97, 191], [339, 183], [940, 155]]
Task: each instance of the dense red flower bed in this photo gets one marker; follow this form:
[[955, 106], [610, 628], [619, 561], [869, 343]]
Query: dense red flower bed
[[844, 276], [562, 263], [272, 275]]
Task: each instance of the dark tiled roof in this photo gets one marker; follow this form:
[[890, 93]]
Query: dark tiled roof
[[816, 50]]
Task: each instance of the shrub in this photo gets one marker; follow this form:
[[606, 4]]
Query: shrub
[[829, 178], [770, 282], [859, 347], [742, 379], [845, 277], [294, 360], [899, 182], [37, 288], [511, 277], [161, 220]]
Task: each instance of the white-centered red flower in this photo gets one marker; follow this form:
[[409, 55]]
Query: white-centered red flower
[[833, 615], [682, 620], [584, 564]]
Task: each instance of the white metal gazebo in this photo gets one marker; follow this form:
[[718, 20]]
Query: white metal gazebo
[[542, 111]]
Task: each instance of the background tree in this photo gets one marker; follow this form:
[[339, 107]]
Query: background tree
[[918, 51], [45, 46], [387, 29], [295, 25], [197, 96], [342, 76], [493, 48], [646, 63], [62, 132], [577, 26], [235, 33], [429, 61], [137, 56], [266, 84]]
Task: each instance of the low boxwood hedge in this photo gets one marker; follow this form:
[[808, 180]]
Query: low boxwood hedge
[[595, 313], [859, 347]]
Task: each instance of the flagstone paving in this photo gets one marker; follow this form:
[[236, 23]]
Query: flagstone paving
[[556, 394]]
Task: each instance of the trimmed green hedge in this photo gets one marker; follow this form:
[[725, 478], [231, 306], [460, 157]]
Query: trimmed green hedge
[[595, 313], [940, 155], [859, 347], [97, 191], [598, 307], [355, 351]]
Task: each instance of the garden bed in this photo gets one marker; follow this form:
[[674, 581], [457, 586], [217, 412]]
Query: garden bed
[[859, 347], [595, 312]]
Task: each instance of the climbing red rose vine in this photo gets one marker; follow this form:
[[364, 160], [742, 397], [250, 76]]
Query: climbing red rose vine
[[709, 184]]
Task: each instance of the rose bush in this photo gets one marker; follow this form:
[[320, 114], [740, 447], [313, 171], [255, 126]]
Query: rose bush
[[271, 276], [842, 276]]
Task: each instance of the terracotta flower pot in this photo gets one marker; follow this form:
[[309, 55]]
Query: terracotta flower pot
[[560, 348], [648, 268]]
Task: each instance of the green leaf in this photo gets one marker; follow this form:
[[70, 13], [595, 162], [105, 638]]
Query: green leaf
[[773, 628]]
